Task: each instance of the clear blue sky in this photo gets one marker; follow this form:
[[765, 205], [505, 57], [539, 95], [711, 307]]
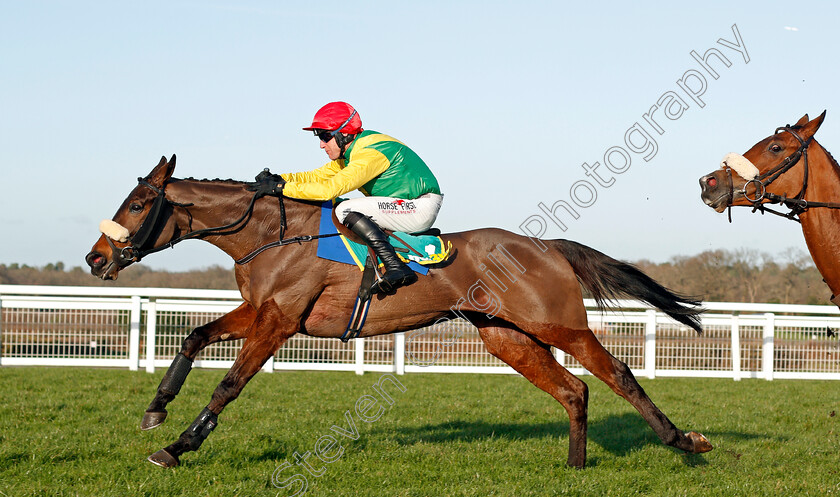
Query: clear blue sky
[[503, 101]]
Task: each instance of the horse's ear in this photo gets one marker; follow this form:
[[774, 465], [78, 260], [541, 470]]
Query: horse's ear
[[811, 128], [162, 172], [802, 121]]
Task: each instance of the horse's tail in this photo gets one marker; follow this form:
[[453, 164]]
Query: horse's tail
[[607, 279]]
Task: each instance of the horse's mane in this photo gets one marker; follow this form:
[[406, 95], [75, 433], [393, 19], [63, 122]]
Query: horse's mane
[[830, 157], [234, 182], [215, 180]]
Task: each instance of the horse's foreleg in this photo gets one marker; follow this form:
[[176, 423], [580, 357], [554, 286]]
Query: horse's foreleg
[[534, 361], [231, 326], [268, 332], [585, 347]]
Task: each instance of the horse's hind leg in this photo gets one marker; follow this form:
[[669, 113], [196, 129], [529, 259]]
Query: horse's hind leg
[[231, 326], [585, 347], [534, 361], [268, 332]]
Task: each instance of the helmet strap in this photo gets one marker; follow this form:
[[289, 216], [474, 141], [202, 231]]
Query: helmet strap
[[342, 140]]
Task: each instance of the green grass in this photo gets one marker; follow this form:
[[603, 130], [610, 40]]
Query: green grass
[[74, 431]]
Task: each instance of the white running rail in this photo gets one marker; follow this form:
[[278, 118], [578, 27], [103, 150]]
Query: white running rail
[[142, 328]]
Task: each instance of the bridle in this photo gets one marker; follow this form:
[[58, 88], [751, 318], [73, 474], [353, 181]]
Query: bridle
[[761, 197], [141, 243]]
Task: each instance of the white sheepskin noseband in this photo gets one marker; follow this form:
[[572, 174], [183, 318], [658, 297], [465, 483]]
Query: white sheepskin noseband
[[113, 230], [741, 165]]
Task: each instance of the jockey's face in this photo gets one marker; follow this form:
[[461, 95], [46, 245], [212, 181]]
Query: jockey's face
[[331, 148]]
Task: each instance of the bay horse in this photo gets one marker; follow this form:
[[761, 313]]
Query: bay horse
[[287, 289], [791, 169]]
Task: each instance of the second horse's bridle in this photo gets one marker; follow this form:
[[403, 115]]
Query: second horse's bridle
[[761, 197]]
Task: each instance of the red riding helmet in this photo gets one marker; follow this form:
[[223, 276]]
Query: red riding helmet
[[337, 116]]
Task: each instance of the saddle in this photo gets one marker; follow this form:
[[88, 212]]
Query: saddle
[[409, 247]]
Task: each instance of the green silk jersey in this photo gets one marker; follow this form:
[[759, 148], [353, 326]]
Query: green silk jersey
[[376, 164]]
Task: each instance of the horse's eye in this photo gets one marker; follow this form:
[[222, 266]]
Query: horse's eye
[[775, 148], [135, 208]]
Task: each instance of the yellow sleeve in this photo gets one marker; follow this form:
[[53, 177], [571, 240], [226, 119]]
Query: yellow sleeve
[[322, 173], [366, 165]]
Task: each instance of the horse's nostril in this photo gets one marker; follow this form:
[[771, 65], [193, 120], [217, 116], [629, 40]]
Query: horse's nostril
[[94, 260], [711, 182]]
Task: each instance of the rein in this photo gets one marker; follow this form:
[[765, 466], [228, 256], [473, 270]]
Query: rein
[[796, 204], [279, 243], [139, 243], [282, 241]]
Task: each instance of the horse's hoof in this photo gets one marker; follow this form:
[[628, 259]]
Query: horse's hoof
[[701, 445], [163, 459], [152, 420]]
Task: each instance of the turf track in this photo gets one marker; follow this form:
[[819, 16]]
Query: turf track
[[74, 431]]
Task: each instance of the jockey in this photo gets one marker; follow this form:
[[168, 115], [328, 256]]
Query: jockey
[[401, 193]]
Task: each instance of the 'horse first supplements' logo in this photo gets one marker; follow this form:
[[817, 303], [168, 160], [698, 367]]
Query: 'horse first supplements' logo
[[397, 205]]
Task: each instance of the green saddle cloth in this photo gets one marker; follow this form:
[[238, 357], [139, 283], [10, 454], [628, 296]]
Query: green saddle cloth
[[422, 249]]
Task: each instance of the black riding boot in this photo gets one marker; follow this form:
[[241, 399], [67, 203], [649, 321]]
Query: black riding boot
[[397, 274]]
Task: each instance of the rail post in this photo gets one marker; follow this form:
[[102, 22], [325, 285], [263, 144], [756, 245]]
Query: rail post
[[360, 356], [767, 348], [268, 367], [399, 353], [134, 333], [151, 334], [559, 356], [736, 347], [650, 343]]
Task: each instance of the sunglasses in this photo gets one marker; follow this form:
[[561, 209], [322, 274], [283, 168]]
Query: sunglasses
[[325, 136]]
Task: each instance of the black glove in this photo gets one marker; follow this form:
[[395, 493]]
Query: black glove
[[266, 184]]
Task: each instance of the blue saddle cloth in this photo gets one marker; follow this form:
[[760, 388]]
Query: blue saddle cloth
[[341, 249]]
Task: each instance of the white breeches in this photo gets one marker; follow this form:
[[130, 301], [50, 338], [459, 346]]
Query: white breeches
[[395, 214]]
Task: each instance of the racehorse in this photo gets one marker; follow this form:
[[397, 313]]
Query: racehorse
[[788, 168], [287, 289]]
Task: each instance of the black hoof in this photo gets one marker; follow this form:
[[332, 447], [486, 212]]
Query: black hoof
[[152, 420], [163, 459]]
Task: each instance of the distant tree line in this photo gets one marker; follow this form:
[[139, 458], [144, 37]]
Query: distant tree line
[[717, 275], [743, 275], [138, 275]]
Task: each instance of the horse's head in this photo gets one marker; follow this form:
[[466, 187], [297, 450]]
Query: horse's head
[[770, 172], [142, 222]]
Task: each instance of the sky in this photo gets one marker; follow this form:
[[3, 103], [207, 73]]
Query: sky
[[505, 101]]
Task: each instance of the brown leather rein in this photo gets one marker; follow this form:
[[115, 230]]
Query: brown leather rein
[[140, 243]]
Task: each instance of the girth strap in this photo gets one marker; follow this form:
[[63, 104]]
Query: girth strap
[[360, 309]]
